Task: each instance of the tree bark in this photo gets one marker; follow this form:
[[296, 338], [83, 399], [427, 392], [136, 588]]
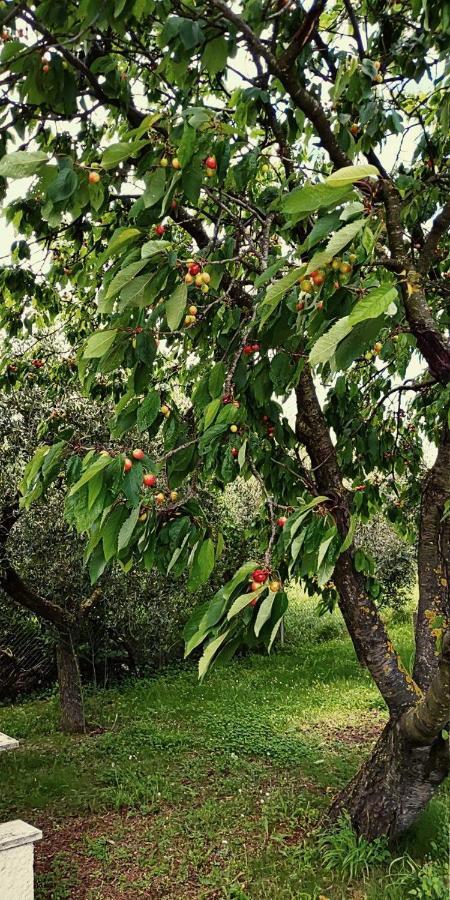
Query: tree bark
[[408, 763], [70, 692], [433, 563], [394, 785]]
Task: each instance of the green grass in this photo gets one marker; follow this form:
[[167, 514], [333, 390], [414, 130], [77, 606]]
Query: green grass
[[216, 790]]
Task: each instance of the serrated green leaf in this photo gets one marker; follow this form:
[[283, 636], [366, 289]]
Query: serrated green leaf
[[148, 410], [123, 277], [211, 649], [127, 529], [373, 304], [92, 470], [214, 56], [325, 347], [310, 197], [242, 601], [22, 163], [349, 174], [264, 612], [276, 291], [99, 343], [176, 306], [116, 153]]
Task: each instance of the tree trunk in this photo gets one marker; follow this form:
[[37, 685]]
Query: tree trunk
[[70, 692], [394, 785], [408, 763]]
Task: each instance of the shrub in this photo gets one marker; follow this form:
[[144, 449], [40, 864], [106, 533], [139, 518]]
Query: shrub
[[395, 562]]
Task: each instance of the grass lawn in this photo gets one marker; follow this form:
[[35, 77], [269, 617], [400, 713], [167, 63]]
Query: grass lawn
[[216, 791]]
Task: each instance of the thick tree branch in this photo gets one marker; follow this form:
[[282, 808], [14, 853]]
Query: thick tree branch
[[288, 77], [15, 587], [361, 616], [433, 562], [422, 724], [435, 348], [303, 35], [356, 32], [440, 226]]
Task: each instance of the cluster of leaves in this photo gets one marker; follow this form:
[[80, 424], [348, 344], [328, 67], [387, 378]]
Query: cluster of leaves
[[296, 278]]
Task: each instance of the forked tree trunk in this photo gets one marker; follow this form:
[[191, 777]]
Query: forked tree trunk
[[70, 691], [394, 785], [410, 759], [407, 765]]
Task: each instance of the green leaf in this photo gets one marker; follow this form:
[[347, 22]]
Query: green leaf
[[276, 291], [22, 163], [155, 187], [176, 306], [63, 187], [187, 144], [99, 343], [264, 611], [211, 412], [92, 470], [373, 305], [120, 237], [116, 153], [148, 411], [110, 531], [152, 248], [325, 347], [211, 649], [304, 200], [241, 454], [343, 237], [349, 536], [123, 277], [350, 174], [242, 573], [127, 529], [242, 601], [202, 566], [216, 379], [214, 56], [329, 537]]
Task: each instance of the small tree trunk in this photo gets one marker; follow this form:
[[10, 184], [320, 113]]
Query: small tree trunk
[[70, 692], [393, 787]]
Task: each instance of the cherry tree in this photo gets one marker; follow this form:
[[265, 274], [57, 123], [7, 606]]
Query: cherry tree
[[231, 205]]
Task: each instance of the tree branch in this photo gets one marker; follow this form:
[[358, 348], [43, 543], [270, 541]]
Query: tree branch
[[423, 723], [12, 583], [440, 226], [361, 616]]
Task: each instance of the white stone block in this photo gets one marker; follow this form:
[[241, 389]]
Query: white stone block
[[7, 743], [16, 860]]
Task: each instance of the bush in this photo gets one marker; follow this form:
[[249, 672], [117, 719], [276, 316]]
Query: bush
[[395, 562]]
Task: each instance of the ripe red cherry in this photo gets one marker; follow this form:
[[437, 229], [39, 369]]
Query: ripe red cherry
[[234, 451], [149, 480], [265, 418], [227, 398], [194, 269], [138, 454], [260, 575], [37, 363], [255, 348], [159, 230], [211, 162], [281, 522], [127, 465], [318, 277], [248, 349]]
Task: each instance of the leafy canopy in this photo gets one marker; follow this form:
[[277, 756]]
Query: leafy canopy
[[257, 136]]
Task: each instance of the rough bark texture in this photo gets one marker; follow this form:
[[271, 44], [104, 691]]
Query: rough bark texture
[[394, 785], [433, 563], [361, 616], [70, 692]]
